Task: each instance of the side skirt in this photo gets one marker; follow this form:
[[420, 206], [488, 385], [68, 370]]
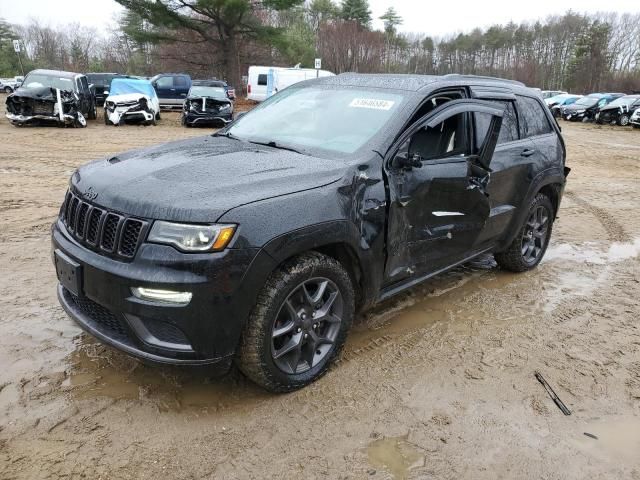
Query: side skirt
[[392, 290]]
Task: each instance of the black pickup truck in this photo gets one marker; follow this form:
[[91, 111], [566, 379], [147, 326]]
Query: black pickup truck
[[52, 97]]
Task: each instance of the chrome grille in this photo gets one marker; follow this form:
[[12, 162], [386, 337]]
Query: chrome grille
[[102, 230]]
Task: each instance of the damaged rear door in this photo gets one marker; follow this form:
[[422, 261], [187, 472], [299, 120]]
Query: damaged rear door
[[438, 180]]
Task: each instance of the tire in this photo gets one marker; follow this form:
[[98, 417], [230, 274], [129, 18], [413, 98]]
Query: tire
[[515, 258], [93, 111], [623, 121], [285, 305], [8, 90], [158, 116], [106, 119]]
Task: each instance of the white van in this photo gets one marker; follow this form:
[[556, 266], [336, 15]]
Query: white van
[[265, 81]]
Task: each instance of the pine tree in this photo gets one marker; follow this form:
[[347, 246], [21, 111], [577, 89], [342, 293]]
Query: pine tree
[[357, 11]]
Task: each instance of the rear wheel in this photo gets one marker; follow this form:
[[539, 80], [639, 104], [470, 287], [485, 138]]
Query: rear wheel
[[530, 244], [299, 323], [93, 111], [8, 90]]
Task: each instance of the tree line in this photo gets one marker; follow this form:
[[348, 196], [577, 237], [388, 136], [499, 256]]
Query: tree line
[[221, 38]]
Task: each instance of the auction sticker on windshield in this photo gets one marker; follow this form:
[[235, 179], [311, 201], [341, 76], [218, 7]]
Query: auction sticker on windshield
[[373, 103]]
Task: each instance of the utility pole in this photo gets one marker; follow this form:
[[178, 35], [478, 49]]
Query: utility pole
[[16, 47]]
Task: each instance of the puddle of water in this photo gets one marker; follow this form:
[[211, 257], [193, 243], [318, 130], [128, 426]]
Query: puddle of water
[[618, 439], [395, 455], [114, 375], [589, 252]]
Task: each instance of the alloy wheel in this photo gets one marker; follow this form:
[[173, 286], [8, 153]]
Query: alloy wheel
[[535, 234], [306, 326], [624, 120]]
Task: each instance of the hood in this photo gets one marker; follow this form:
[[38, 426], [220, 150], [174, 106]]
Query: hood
[[126, 97], [199, 179], [573, 107], [209, 99], [42, 93]]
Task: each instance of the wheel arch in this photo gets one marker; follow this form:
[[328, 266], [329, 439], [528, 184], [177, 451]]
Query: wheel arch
[[330, 239], [551, 185]]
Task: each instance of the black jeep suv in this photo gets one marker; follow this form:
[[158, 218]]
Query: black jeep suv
[[260, 242]]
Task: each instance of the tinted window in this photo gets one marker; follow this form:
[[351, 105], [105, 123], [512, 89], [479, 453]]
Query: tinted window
[[164, 82], [84, 83], [533, 120], [180, 82], [509, 129], [262, 79]]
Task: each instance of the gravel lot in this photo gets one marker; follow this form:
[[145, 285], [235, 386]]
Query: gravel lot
[[438, 383]]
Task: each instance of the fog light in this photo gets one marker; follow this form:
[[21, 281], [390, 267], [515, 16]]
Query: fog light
[[166, 296]]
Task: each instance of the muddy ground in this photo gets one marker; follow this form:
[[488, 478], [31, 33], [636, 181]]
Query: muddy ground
[[437, 383]]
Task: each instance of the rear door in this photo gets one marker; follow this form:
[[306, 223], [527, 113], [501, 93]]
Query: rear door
[[438, 183], [510, 167], [181, 88]]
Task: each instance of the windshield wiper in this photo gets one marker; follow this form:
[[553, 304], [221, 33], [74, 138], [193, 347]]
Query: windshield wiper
[[279, 146], [227, 135]]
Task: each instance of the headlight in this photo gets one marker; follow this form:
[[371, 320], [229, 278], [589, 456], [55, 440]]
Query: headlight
[[225, 107], [192, 238]]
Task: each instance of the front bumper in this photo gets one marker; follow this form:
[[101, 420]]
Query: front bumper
[[67, 119], [207, 118], [205, 331]]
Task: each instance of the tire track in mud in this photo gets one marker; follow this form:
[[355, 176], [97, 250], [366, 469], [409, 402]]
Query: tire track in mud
[[615, 231]]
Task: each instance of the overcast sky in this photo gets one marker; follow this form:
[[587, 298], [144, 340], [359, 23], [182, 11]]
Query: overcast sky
[[434, 18]]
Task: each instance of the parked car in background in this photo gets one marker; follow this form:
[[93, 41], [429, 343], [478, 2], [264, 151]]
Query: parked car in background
[[619, 111], [207, 104], [52, 97], [171, 88], [259, 244], [214, 82], [586, 108], [550, 93], [265, 81], [561, 99], [131, 100], [556, 103], [9, 85], [102, 83], [635, 119]]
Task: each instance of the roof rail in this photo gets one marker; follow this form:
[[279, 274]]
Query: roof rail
[[481, 77]]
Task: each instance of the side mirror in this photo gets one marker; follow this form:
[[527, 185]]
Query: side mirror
[[407, 160]]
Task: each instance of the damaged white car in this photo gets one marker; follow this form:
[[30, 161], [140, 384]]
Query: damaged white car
[[131, 100]]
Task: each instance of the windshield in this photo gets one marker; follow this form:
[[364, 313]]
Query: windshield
[[624, 101], [338, 120], [587, 101], [214, 92], [36, 80]]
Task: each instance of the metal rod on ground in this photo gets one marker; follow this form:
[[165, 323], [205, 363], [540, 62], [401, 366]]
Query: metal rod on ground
[[552, 394]]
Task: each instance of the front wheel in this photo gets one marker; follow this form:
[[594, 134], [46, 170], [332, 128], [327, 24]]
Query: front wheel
[[531, 242], [623, 121], [299, 323], [8, 90]]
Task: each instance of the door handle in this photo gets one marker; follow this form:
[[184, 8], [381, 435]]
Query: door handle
[[527, 152]]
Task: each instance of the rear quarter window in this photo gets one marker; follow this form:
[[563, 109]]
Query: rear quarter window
[[262, 79], [533, 118]]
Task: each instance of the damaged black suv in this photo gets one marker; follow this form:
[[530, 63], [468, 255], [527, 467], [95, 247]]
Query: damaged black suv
[[259, 243], [52, 97]]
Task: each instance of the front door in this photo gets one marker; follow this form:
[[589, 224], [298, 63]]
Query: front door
[[438, 180]]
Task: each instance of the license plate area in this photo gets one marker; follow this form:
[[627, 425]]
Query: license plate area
[[69, 273]]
